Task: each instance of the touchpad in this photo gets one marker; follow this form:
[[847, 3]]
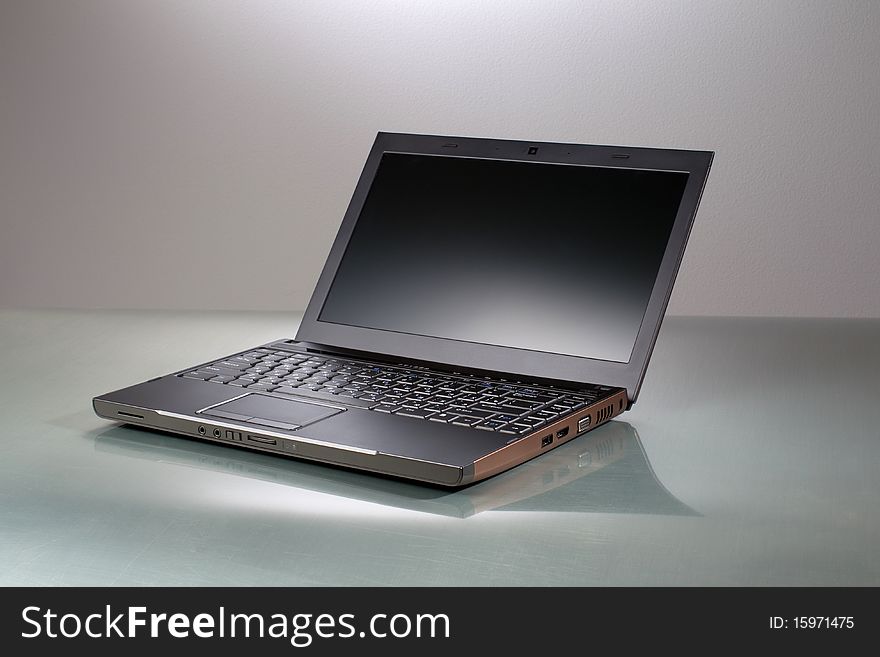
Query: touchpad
[[272, 412]]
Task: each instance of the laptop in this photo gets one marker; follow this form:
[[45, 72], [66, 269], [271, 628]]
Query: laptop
[[485, 301]]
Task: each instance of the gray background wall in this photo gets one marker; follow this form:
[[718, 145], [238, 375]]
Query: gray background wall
[[201, 154]]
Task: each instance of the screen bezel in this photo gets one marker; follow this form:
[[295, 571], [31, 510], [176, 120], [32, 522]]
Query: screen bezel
[[511, 360]]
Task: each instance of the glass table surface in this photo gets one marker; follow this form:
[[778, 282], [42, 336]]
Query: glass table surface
[[751, 458]]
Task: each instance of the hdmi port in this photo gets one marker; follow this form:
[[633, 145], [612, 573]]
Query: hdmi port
[[262, 441]]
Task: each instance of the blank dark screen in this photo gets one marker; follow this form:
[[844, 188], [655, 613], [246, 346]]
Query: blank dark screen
[[547, 257]]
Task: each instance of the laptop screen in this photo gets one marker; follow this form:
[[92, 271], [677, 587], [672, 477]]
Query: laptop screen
[[547, 257]]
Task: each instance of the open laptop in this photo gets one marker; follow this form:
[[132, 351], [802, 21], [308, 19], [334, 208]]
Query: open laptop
[[484, 302]]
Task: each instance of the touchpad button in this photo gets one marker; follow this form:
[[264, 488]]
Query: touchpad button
[[274, 412]]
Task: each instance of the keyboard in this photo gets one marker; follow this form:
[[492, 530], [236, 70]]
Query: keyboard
[[461, 399]]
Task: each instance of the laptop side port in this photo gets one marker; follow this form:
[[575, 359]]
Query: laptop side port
[[262, 440], [546, 440], [562, 433], [584, 423]]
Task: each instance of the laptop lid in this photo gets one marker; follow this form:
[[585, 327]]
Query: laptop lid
[[534, 259]]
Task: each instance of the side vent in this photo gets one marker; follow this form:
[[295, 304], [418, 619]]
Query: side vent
[[604, 413]]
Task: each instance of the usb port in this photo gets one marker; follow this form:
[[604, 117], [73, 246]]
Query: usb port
[[562, 433], [546, 440]]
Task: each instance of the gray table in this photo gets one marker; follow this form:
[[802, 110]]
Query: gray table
[[752, 458]]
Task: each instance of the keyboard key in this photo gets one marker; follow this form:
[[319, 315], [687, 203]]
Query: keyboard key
[[520, 403], [538, 397], [235, 364], [494, 393], [443, 417], [222, 379], [221, 370], [519, 428], [202, 375], [504, 410], [242, 383], [476, 412], [465, 421], [490, 425], [267, 387], [419, 413], [496, 408]]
